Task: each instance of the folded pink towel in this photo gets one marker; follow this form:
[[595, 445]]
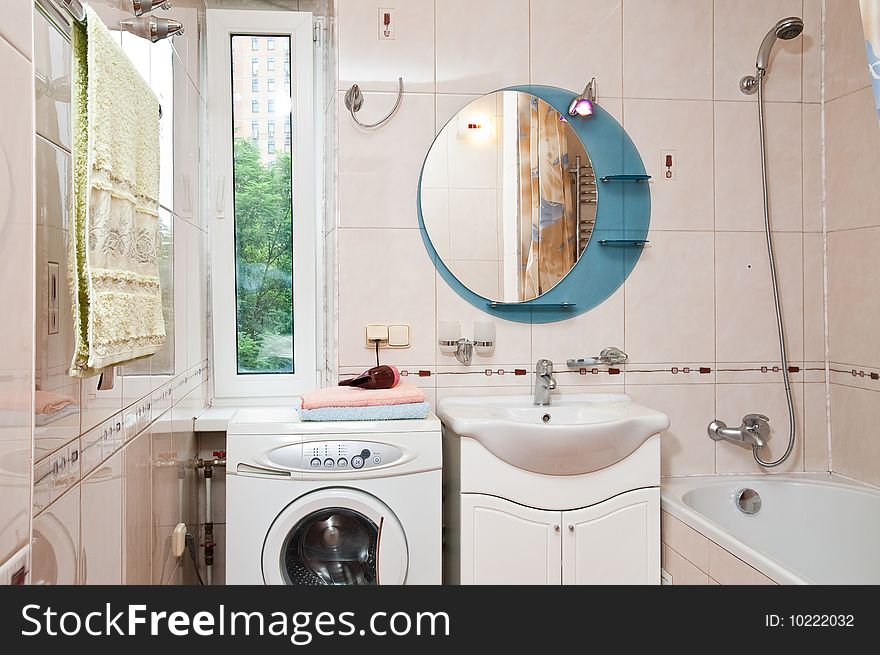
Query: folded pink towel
[[353, 397]]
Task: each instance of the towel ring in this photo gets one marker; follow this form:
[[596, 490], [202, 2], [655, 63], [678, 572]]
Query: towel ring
[[354, 100]]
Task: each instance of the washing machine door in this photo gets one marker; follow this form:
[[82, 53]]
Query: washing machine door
[[335, 536]]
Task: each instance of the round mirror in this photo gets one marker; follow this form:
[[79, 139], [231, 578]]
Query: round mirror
[[508, 196]]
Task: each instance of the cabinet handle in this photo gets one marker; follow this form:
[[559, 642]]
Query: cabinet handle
[[556, 528], [570, 527]]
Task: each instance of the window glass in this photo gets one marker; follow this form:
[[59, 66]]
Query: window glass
[[263, 227]]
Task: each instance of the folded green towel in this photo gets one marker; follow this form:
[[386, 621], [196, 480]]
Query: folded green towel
[[114, 242]]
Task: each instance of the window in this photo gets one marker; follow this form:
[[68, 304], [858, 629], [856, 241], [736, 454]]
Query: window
[[255, 44], [287, 125], [270, 63], [264, 295], [255, 84], [255, 67]]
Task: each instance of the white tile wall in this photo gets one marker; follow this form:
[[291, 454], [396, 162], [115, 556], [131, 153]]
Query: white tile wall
[[852, 141], [17, 289], [472, 59], [667, 49], [668, 70], [98, 529]]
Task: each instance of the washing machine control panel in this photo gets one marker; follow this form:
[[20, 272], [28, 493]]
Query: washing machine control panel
[[346, 455]]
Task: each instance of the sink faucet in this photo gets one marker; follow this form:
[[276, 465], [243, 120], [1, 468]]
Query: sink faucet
[[544, 381], [754, 431]]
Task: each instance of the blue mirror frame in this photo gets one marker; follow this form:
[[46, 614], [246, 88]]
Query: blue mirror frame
[[621, 228]]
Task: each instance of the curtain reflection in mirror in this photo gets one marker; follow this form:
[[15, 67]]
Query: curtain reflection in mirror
[[548, 226]]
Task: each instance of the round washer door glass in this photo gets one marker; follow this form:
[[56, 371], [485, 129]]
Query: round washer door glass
[[335, 537]]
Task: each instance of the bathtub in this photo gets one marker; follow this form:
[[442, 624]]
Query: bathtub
[[810, 529]]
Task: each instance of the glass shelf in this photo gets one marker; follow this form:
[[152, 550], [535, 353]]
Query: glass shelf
[[623, 242], [625, 178], [494, 304]]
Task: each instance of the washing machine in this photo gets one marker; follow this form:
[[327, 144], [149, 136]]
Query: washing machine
[[336, 503]]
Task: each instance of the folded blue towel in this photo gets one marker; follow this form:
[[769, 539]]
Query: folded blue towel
[[370, 413]]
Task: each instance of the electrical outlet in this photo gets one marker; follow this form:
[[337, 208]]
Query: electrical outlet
[[376, 332], [387, 24], [668, 161]]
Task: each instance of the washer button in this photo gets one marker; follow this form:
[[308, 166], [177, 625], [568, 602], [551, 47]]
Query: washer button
[[328, 463], [316, 463], [377, 460], [341, 463], [357, 462]]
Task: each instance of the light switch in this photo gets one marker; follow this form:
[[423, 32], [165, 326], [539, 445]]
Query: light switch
[[398, 336]]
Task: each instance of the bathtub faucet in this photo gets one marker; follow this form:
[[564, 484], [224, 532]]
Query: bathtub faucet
[[753, 433]]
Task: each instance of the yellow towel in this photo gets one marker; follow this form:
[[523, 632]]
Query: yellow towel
[[115, 241]]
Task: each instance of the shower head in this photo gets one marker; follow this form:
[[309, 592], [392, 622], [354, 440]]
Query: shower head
[[786, 29]]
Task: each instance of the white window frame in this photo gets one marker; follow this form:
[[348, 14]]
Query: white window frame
[[228, 383]]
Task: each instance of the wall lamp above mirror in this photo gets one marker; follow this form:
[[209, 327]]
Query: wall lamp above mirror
[[518, 199], [582, 105]]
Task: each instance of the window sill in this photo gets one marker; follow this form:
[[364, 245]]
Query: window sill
[[217, 417]]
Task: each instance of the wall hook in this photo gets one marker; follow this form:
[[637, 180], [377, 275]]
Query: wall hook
[[354, 100]]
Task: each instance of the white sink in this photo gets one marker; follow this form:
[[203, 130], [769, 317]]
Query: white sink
[[575, 434]]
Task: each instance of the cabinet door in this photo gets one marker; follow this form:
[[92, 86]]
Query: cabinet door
[[614, 542], [505, 543]]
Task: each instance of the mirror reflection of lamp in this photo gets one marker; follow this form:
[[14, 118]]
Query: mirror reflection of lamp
[[475, 127], [582, 105]]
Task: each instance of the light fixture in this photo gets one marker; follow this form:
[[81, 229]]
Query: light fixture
[[475, 127], [141, 7], [152, 28], [582, 105]]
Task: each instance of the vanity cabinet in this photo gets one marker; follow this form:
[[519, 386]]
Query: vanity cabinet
[[616, 541], [508, 543]]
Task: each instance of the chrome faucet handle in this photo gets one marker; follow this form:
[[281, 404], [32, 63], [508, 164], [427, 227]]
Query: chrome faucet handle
[[612, 355], [544, 367], [759, 425]]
